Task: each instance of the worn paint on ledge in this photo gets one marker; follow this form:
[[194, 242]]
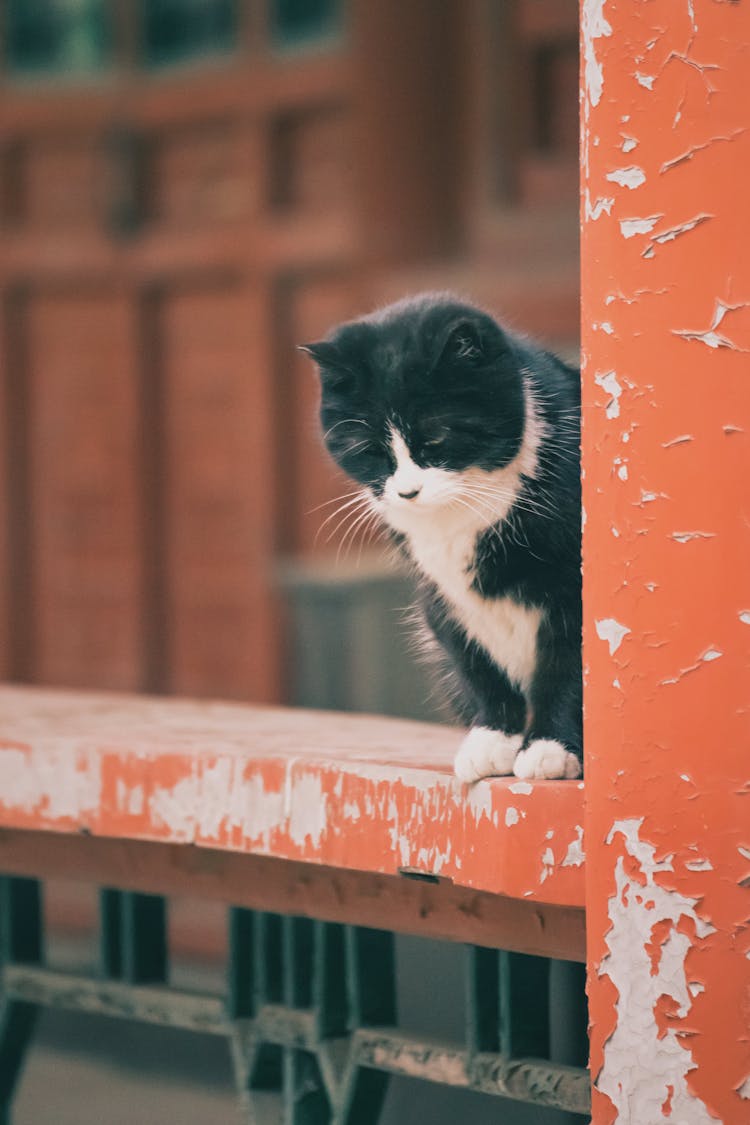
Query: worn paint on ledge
[[364, 793]]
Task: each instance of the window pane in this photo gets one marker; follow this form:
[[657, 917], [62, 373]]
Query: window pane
[[304, 22], [179, 30], [57, 36]]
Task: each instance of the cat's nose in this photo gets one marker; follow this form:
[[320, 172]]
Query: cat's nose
[[410, 495]]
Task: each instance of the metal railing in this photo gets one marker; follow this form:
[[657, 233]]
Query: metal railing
[[309, 1010]]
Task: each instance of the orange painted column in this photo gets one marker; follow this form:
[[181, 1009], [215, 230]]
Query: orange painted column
[[666, 390]]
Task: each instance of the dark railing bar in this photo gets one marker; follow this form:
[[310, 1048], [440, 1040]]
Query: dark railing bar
[[149, 1003], [530, 1080]]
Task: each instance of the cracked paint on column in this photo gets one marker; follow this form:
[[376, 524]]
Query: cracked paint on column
[[651, 933], [667, 700]]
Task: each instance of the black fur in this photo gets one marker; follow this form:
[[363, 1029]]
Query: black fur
[[454, 383]]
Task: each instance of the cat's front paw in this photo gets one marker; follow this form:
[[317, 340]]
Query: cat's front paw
[[486, 753], [546, 758]]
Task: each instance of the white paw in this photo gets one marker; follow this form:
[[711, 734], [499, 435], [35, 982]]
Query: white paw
[[546, 758], [486, 753]]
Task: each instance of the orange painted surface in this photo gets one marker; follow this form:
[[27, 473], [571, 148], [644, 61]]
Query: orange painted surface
[[363, 793], [666, 337]]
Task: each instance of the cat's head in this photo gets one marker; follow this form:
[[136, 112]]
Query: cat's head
[[423, 403]]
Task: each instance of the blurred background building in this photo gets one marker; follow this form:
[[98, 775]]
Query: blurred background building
[[188, 188]]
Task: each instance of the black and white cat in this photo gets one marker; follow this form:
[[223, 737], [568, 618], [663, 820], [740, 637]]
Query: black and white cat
[[465, 440]]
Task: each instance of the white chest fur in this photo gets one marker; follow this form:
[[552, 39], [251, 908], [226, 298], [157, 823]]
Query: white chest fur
[[441, 513], [505, 629]]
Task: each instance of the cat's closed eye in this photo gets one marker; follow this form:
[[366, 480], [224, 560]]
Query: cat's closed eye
[[435, 437]]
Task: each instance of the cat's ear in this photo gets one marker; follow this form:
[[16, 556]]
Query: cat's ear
[[335, 372], [324, 353], [463, 343]]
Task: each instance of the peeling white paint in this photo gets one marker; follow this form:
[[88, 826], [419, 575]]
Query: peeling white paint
[[601, 205], [649, 497], [699, 865], [42, 775], [679, 440], [255, 810], [622, 471], [174, 807], [511, 816], [521, 787], [631, 177], [611, 631], [691, 13], [689, 153], [308, 813], [480, 800], [548, 864], [686, 536], [711, 338], [646, 80], [640, 1068], [711, 654], [609, 383], [745, 616], [352, 810], [744, 1089], [593, 27], [630, 227], [672, 233], [629, 144], [130, 799], [575, 857]]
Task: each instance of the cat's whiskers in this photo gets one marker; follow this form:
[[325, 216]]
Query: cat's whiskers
[[518, 500], [345, 421], [350, 508], [487, 524], [361, 522], [334, 500], [372, 530], [509, 500], [352, 520]]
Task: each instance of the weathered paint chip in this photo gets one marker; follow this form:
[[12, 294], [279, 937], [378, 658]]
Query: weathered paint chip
[[574, 857], [593, 27], [710, 337], [630, 227], [609, 383], [600, 206], [679, 440], [611, 631], [631, 177], [687, 536], [648, 979]]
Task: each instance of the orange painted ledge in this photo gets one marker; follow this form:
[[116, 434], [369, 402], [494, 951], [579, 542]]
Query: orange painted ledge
[[357, 792]]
